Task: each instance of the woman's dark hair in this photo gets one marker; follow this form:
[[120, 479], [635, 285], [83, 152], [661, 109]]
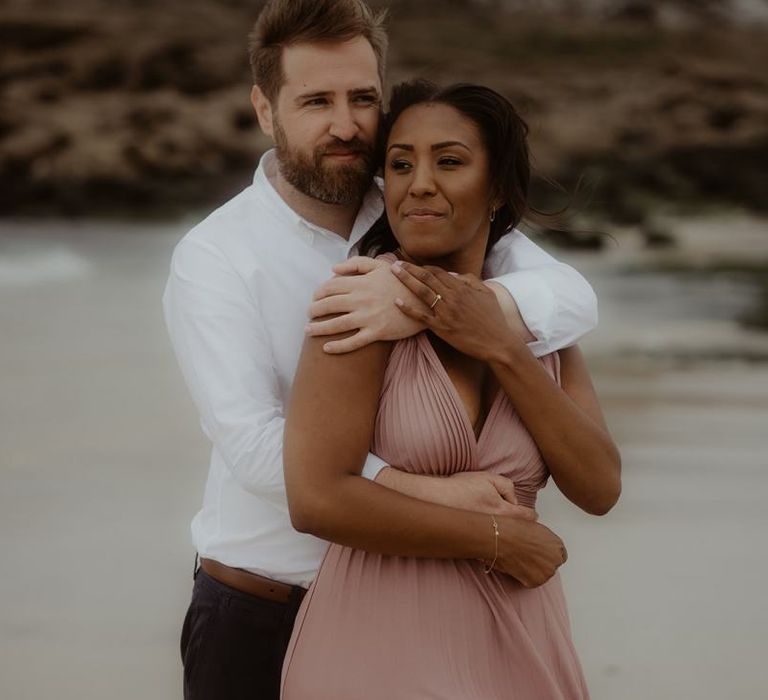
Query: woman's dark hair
[[504, 135]]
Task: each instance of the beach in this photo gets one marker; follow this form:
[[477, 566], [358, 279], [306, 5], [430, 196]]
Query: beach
[[103, 465]]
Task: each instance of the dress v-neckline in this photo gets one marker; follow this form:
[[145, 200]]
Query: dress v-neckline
[[476, 439]]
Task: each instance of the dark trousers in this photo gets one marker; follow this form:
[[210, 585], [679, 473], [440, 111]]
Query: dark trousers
[[233, 644]]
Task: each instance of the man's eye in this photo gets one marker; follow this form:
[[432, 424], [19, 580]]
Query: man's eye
[[367, 99], [316, 102]]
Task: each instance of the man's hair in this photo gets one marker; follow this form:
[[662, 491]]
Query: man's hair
[[285, 23]]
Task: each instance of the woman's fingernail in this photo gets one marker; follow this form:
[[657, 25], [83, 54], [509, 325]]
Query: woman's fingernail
[[397, 266], [399, 302], [307, 329]]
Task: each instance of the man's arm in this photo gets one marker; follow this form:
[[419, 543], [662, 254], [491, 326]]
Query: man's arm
[[555, 303], [545, 302], [220, 342]]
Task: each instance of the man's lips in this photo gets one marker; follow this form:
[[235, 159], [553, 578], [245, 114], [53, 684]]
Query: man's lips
[[346, 154]]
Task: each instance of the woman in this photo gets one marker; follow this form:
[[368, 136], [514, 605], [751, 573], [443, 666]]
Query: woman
[[375, 626]]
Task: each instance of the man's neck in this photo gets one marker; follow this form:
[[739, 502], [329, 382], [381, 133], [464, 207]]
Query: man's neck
[[338, 218]]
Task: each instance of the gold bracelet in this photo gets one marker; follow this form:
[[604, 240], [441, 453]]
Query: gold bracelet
[[489, 568]]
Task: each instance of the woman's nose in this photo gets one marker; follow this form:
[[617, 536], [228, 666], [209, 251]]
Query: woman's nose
[[423, 182]]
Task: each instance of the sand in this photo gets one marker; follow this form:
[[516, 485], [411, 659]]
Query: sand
[[103, 464]]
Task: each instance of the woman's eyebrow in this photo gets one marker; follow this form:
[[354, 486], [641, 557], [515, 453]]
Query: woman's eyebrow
[[435, 147], [448, 144]]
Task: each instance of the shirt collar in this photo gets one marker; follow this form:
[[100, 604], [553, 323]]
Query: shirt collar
[[370, 210]]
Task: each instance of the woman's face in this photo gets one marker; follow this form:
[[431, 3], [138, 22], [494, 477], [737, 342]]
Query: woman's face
[[437, 185]]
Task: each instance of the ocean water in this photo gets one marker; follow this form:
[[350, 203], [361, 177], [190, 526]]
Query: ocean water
[[103, 465]]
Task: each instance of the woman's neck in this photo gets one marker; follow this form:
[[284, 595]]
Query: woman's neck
[[463, 262]]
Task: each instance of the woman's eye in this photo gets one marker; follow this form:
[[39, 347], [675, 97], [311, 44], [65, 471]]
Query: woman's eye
[[399, 164], [449, 160]]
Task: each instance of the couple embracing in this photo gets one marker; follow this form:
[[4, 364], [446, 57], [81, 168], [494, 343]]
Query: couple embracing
[[411, 423]]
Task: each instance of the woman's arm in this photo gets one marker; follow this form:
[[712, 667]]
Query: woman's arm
[[328, 431], [566, 423]]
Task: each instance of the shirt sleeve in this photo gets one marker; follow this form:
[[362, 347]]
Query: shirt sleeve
[[373, 465], [220, 342], [222, 346], [557, 304]]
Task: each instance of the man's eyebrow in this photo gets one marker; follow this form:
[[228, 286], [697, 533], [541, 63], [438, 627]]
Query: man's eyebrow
[[365, 91], [312, 95], [372, 90]]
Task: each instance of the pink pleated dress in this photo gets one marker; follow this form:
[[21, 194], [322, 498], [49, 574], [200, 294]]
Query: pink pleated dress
[[378, 627]]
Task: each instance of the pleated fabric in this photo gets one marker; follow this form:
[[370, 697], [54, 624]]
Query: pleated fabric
[[374, 627]]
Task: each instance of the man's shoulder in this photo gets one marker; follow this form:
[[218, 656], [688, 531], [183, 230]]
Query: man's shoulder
[[222, 237], [230, 221], [501, 257]]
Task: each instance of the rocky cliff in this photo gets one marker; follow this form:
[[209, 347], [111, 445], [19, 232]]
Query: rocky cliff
[[143, 106]]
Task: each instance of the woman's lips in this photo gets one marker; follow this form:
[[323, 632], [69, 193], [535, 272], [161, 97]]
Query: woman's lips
[[423, 215]]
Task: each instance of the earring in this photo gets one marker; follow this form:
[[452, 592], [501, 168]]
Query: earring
[[493, 214]]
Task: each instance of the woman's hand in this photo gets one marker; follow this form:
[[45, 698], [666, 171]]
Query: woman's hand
[[460, 309], [528, 551]]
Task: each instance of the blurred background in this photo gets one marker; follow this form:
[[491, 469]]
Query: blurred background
[[123, 123]]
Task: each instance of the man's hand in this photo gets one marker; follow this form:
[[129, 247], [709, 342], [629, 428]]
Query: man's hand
[[528, 551], [361, 297], [478, 491]]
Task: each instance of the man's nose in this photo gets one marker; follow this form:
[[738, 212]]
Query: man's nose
[[343, 125]]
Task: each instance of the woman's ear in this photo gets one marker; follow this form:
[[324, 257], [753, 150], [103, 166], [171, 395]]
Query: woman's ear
[[496, 204]]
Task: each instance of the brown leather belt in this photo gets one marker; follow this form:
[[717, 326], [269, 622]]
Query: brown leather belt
[[246, 582]]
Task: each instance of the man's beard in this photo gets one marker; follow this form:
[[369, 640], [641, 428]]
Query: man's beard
[[343, 183]]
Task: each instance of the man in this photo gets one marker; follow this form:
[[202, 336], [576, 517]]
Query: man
[[236, 305]]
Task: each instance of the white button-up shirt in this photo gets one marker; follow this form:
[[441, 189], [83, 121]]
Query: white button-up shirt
[[236, 307]]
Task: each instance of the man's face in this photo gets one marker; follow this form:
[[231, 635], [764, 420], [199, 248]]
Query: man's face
[[325, 117]]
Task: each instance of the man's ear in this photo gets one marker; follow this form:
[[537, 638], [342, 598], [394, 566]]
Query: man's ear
[[263, 108]]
